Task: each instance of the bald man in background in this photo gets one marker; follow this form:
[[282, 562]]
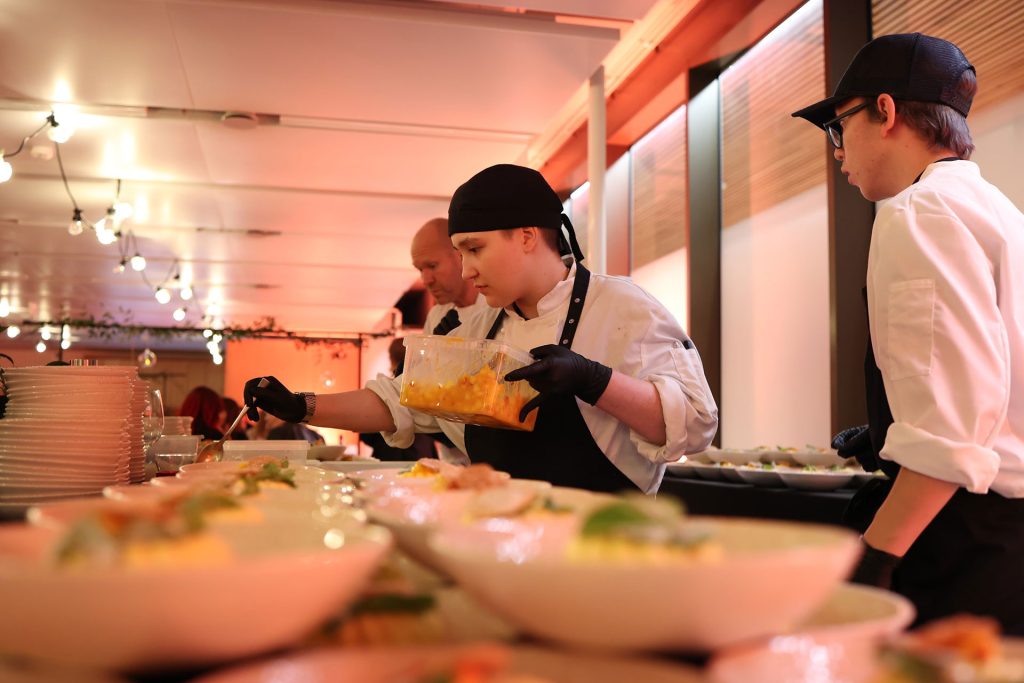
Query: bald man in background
[[440, 268]]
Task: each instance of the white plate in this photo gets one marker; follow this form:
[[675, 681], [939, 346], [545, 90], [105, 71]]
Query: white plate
[[391, 665], [732, 456], [356, 465], [707, 472], [760, 477], [682, 469], [815, 481]]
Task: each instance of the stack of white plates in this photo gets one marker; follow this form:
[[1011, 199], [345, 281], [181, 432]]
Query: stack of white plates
[[70, 431]]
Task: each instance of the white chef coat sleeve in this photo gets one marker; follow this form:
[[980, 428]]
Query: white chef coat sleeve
[[408, 422], [941, 345], [669, 360]]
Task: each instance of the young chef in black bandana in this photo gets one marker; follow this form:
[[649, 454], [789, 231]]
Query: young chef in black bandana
[[945, 366], [622, 387]]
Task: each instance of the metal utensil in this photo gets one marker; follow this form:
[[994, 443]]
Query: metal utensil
[[214, 450]]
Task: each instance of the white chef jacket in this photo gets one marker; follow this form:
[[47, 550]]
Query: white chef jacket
[[945, 287], [623, 327], [437, 312]]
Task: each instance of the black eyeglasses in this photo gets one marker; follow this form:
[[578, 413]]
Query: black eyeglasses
[[835, 130]]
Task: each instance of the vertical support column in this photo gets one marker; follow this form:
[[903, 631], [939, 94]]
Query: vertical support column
[[704, 136], [596, 167], [847, 28]]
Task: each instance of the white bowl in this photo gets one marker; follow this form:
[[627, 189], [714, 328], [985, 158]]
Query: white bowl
[[143, 619], [839, 642], [392, 664], [412, 515], [733, 456], [825, 458], [760, 477], [771, 575]]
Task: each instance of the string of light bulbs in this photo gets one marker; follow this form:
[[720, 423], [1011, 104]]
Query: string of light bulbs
[[108, 230]]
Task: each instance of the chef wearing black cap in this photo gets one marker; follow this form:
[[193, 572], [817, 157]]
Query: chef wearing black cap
[[622, 388], [945, 363]]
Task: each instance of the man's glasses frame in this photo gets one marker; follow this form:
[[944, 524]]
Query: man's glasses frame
[[835, 131]]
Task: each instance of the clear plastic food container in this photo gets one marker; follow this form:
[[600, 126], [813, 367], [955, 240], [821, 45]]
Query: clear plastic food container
[[462, 380], [295, 451]]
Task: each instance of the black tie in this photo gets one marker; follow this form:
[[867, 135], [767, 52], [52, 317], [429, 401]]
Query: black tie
[[448, 323]]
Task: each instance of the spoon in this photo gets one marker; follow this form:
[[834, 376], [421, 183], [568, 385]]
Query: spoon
[[214, 450]]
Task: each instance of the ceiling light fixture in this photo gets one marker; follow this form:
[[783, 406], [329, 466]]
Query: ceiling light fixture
[[5, 307], [44, 334], [186, 293], [120, 267], [138, 262], [65, 344], [13, 331], [41, 347], [179, 314], [162, 295]]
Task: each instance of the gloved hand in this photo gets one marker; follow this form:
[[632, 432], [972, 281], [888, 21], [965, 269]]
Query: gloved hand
[[561, 371], [852, 441], [876, 567], [275, 398]]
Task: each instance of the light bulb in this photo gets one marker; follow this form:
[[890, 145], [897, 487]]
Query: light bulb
[[212, 347], [120, 267], [186, 293], [179, 314], [162, 295], [138, 262], [41, 347], [13, 331], [65, 331], [44, 334], [207, 333], [105, 237], [59, 132], [5, 307], [75, 226], [65, 344], [123, 211], [6, 170], [218, 359], [217, 337]]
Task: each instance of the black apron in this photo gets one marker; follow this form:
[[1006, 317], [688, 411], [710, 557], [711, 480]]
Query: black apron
[[560, 449], [970, 558]]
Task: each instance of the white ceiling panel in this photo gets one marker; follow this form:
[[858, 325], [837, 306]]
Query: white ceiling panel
[[374, 112], [321, 60], [90, 51]]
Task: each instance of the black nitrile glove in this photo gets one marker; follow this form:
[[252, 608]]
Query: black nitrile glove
[[561, 371], [274, 399], [852, 442], [875, 568]]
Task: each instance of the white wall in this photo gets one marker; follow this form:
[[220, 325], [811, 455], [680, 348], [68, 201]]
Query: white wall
[[775, 326], [667, 279], [998, 134]]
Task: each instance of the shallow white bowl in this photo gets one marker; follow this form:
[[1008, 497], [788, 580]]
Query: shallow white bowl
[[120, 619], [732, 456], [818, 458], [772, 575]]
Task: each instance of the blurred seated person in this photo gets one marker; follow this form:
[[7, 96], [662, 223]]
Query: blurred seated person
[[206, 408], [231, 411], [422, 445], [287, 431]]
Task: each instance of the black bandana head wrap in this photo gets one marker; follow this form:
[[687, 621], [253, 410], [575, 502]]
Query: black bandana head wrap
[[508, 196]]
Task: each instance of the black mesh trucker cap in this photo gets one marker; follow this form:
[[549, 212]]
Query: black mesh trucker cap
[[907, 66]]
